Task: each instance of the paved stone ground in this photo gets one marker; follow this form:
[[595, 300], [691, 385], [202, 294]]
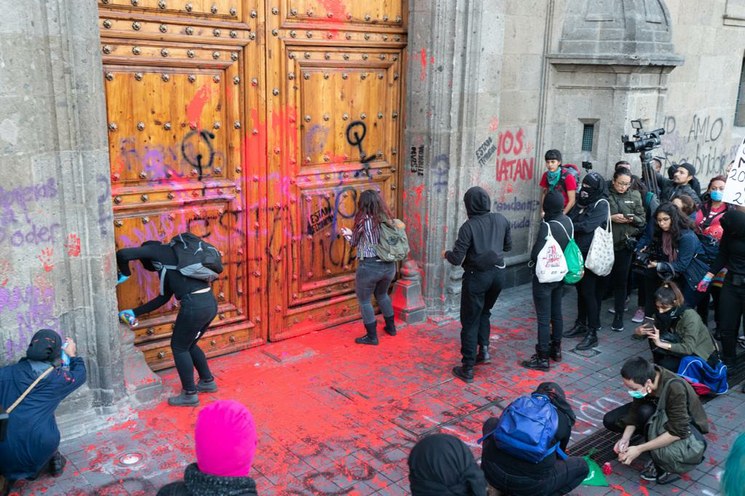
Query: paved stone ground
[[337, 418]]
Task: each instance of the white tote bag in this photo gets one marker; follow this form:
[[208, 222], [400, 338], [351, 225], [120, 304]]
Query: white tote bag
[[600, 257], [550, 266]]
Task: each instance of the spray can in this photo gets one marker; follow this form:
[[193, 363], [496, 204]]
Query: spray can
[[129, 319], [65, 356]]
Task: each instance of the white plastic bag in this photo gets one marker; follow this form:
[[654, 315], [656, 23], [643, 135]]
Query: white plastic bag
[[550, 266], [600, 256]]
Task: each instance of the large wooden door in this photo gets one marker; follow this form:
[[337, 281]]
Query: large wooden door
[[254, 124]]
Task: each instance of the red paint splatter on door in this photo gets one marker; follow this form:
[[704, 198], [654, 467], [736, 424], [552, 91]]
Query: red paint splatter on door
[[196, 105]]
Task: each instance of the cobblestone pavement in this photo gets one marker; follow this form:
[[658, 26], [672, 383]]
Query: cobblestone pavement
[[336, 418]]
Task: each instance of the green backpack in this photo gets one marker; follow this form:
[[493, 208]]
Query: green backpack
[[574, 258], [393, 245]]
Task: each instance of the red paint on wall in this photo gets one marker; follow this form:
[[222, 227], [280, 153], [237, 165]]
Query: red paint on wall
[[423, 62], [419, 190]]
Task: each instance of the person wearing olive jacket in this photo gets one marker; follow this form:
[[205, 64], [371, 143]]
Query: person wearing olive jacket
[[628, 217], [678, 331]]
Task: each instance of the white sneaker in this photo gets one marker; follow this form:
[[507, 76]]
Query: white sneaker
[[638, 316]]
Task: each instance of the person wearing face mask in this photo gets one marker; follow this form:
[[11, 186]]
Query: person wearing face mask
[[197, 308], [732, 298], [677, 331], [651, 386], [590, 212], [709, 229]]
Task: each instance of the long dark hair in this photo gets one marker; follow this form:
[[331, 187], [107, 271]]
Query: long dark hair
[[678, 223], [669, 295], [371, 204]]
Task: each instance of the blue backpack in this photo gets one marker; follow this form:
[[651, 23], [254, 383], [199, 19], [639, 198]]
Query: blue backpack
[[704, 378], [527, 428]]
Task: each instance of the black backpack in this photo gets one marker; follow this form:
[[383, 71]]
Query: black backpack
[[196, 258]]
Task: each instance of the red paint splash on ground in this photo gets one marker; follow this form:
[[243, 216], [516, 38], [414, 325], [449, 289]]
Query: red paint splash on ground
[[644, 490], [619, 488], [196, 105]]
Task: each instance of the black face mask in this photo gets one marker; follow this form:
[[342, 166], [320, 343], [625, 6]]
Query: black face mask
[[667, 320]]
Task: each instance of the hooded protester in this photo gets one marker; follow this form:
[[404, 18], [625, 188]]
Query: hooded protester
[[547, 296], [552, 475], [30, 448], [482, 241], [442, 465], [197, 309], [590, 212], [732, 297], [225, 441]]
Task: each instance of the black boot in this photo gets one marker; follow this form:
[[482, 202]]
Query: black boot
[[463, 373], [57, 464], [590, 340], [539, 361], [554, 353], [483, 355], [372, 335], [578, 330], [390, 325]]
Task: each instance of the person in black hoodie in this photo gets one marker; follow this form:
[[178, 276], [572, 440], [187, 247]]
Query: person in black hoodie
[[550, 476], [482, 241], [590, 212], [547, 296], [30, 448], [732, 297], [442, 465], [197, 308]]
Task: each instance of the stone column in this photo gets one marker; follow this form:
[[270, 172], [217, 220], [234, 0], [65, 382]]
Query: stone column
[[455, 49], [56, 221]]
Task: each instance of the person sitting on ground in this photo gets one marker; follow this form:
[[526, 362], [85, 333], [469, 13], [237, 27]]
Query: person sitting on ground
[[555, 179], [30, 448], [733, 479], [677, 332], [646, 383], [681, 183], [442, 465], [225, 442], [551, 476]]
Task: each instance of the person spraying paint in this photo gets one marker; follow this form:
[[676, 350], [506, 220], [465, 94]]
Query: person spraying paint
[[197, 309], [374, 275]]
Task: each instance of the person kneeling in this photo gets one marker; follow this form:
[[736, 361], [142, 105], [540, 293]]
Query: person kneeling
[[667, 411], [535, 473]]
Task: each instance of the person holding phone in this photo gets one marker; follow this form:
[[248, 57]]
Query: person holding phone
[[676, 331], [628, 217]]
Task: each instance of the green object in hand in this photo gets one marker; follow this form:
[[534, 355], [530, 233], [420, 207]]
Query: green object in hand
[[595, 477]]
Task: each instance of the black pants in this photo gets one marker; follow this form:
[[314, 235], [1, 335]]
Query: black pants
[[562, 478], [480, 291], [197, 311], [731, 312], [619, 278], [664, 359], [612, 419], [589, 296], [547, 301]]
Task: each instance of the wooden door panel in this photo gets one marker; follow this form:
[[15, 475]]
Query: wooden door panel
[[176, 120], [212, 9], [377, 12]]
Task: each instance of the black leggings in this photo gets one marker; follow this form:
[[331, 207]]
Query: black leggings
[[589, 294], [197, 311], [619, 278]]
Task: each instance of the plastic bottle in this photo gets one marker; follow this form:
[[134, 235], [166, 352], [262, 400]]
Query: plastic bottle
[[65, 356]]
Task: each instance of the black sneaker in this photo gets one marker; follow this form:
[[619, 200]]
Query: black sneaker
[[184, 399], [650, 472], [667, 478], [206, 387], [617, 324], [463, 373], [57, 464]]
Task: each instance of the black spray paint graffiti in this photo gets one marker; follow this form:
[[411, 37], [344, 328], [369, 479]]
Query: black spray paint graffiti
[[356, 138], [191, 143], [417, 160], [486, 151], [327, 216], [701, 145], [105, 215]]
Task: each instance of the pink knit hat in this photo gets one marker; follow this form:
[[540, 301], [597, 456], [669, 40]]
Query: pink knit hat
[[225, 439]]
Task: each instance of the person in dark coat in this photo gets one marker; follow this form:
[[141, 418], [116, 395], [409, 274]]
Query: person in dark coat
[[550, 476], [482, 241], [30, 448], [682, 182], [197, 309], [547, 296], [590, 212], [225, 441], [442, 465]]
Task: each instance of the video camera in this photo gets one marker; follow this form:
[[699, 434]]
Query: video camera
[[644, 142]]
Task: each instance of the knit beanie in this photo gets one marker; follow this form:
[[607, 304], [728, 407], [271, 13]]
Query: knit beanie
[[225, 438], [45, 346], [690, 168], [553, 155], [553, 203]]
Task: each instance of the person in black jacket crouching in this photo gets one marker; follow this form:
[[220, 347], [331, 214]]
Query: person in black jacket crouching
[[552, 475]]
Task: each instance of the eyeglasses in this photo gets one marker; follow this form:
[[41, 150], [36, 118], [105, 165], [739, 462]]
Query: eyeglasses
[[619, 183]]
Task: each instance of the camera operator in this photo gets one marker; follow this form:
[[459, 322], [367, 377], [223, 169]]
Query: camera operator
[[680, 184]]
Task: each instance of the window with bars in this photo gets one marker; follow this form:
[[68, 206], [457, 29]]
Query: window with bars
[[588, 134]]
